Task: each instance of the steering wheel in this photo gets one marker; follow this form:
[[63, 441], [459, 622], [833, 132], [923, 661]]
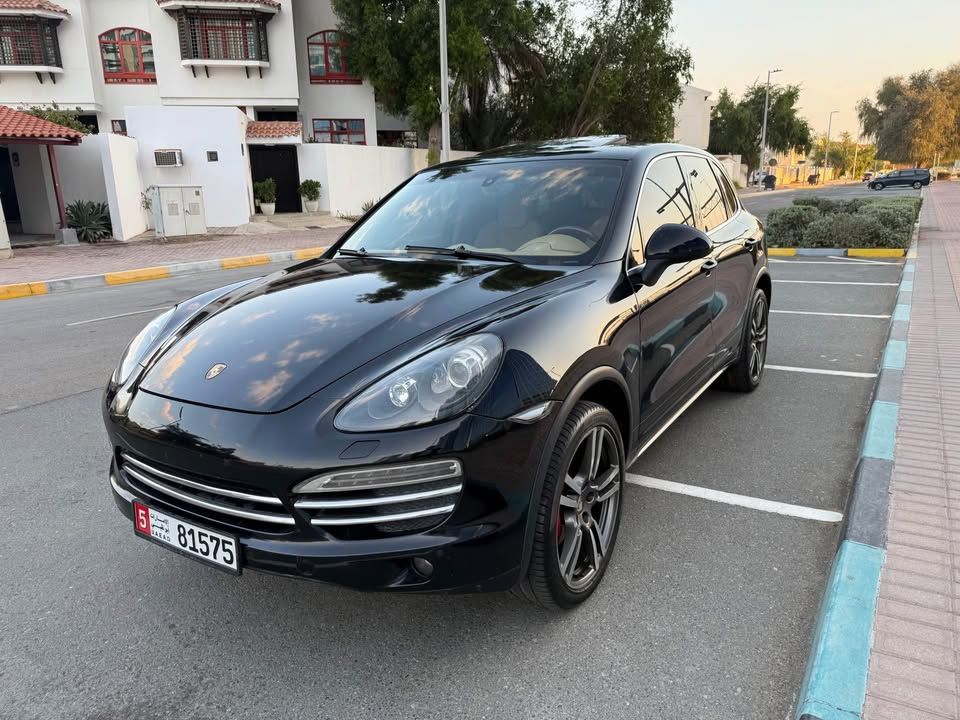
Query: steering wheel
[[575, 231]]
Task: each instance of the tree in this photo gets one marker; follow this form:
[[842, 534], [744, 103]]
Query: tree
[[736, 125], [395, 44], [843, 153], [61, 117], [616, 72], [915, 119]]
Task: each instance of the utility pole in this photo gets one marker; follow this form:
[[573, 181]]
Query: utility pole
[[826, 150], [766, 111], [444, 87]]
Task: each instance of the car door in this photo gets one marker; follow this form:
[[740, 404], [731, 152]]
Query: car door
[[676, 339], [736, 241]]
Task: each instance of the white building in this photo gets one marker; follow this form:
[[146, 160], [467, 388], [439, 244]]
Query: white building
[[691, 124]]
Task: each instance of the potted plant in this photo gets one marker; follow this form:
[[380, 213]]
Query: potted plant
[[310, 192], [265, 192]]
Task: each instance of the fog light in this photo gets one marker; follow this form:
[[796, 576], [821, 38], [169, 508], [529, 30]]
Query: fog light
[[423, 566]]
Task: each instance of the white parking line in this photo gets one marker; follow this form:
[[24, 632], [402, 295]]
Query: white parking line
[[818, 371], [114, 317], [835, 282], [863, 261], [770, 506], [826, 314], [831, 262]]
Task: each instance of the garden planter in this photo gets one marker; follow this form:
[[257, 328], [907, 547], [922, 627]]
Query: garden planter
[[268, 208], [311, 205]]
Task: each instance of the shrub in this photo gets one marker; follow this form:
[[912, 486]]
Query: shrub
[[943, 175], [899, 218], [266, 190], [853, 230], [310, 189], [786, 225], [368, 205], [91, 220], [826, 205]]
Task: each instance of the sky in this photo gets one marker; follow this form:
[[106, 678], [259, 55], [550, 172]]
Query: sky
[[838, 51]]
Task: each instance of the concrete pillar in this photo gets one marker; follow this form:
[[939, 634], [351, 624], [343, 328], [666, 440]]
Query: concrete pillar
[[5, 250]]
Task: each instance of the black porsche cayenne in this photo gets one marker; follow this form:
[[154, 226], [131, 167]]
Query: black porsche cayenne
[[449, 398]]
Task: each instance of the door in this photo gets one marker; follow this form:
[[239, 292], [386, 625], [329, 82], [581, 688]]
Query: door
[[8, 191], [676, 340], [736, 246], [280, 163], [193, 213], [171, 207]]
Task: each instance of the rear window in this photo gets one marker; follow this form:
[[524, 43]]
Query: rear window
[[541, 212]]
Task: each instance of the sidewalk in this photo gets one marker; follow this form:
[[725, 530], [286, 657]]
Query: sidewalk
[[915, 658], [60, 261]]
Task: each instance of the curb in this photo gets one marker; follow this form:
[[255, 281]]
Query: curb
[[124, 277], [835, 682], [837, 252]]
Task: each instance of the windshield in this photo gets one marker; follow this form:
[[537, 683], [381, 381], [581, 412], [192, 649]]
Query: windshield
[[537, 212]]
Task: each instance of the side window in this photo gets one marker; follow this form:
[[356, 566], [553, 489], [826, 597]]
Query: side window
[[706, 191], [663, 198], [726, 189]]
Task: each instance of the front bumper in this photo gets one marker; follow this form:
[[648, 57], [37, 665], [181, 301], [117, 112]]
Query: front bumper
[[480, 546]]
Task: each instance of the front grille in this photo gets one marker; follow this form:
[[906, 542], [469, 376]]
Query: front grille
[[217, 502], [405, 505]]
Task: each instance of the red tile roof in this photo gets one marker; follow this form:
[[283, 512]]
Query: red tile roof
[[271, 3], [273, 128], [33, 5], [16, 124]]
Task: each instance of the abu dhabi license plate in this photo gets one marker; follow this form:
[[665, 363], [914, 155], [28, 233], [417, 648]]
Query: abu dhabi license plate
[[186, 538]]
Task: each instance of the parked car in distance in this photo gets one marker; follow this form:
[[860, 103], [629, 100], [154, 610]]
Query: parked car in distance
[[867, 176], [769, 181], [448, 399], [913, 177]]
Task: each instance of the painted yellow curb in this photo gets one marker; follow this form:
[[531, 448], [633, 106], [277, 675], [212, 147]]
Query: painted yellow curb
[[19, 290], [131, 276], [244, 261], [308, 253], [781, 252], [875, 252]]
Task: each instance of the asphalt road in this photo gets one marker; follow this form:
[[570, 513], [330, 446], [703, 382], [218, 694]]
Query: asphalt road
[[706, 612], [760, 203]]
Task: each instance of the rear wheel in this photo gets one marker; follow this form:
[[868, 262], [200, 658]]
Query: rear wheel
[[578, 513], [917, 185], [747, 372]]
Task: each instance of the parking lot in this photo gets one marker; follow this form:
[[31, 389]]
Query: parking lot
[[706, 612]]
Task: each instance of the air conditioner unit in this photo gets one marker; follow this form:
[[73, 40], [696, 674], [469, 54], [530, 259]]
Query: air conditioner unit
[[168, 158]]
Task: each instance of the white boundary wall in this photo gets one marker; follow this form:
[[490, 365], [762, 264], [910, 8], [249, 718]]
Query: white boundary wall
[[351, 175], [123, 185]]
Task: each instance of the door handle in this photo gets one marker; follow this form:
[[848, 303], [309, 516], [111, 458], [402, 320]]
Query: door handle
[[751, 243], [709, 265]]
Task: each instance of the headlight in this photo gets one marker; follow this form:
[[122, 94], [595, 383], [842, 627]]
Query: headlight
[[140, 344], [439, 385]]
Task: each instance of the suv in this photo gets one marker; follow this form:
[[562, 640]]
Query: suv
[[449, 398], [913, 177]]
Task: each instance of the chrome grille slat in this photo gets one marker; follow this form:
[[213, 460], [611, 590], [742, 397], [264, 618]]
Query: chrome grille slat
[[162, 487], [372, 519], [264, 499], [376, 500]]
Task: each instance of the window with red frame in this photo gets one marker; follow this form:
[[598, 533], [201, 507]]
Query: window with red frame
[[345, 132], [327, 50], [127, 55]]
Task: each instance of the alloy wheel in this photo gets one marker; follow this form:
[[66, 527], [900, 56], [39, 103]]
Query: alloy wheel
[[589, 502], [758, 338]]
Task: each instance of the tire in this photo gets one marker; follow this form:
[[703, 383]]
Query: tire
[[596, 518], [744, 375], [917, 185], [878, 186]]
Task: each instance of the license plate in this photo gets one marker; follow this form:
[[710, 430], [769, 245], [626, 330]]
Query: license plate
[[186, 538]]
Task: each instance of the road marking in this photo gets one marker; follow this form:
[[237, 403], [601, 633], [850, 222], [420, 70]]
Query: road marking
[[826, 314], [836, 282], [861, 261], [770, 506], [818, 371], [114, 317], [838, 261]]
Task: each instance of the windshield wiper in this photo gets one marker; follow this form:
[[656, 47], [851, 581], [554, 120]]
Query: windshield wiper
[[462, 252], [350, 252]]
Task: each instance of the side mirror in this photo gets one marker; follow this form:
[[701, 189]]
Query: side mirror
[[670, 244]]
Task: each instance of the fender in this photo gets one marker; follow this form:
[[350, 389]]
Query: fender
[[594, 376]]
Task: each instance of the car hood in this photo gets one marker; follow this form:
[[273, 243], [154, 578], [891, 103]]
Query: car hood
[[269, 344]]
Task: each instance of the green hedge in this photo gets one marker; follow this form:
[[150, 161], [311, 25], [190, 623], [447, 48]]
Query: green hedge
[[857, 223]]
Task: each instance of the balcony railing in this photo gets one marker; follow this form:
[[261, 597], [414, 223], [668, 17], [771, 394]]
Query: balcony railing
[[29, 42]]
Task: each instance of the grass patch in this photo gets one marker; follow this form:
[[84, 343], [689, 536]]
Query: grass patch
[[857, 223]]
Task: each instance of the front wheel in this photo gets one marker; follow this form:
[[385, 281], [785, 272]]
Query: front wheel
[[578, 512], [747, 372], [878, 186]]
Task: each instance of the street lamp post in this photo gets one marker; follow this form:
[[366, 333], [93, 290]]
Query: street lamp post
[[444, 89], [766, 111], [826, 150]]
